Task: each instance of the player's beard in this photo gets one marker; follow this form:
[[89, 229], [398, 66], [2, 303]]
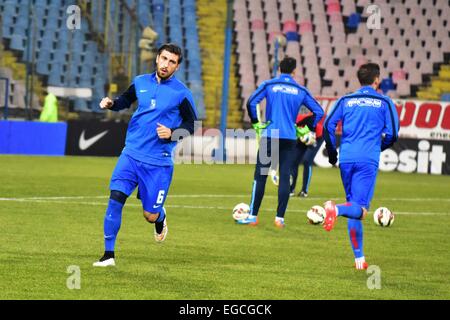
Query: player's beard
[[164, 76]]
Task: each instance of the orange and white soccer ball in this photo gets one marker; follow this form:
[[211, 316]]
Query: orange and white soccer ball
[[383, 217], [241, 211]]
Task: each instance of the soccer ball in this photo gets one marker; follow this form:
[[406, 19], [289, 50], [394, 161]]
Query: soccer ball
[[241, 211], [316, 215], [383, 217]]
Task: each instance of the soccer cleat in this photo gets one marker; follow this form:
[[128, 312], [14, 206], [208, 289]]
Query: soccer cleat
[[291, 194], [330, 218], [279, 224], [250, 220], [361, 266], [302, 194], [160, 237], [104, 262]]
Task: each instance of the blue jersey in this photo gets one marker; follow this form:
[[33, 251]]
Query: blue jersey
[[169, 103], [284, 97], [369, 125]]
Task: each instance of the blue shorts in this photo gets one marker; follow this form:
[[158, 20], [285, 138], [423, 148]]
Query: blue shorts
[[153, 181], [359, 182]]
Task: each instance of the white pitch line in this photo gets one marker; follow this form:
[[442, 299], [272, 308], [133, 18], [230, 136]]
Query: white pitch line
[[211, 196], [54, 200]]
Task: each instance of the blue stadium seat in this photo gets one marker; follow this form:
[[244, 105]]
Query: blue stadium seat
[[44, 55], [386, 85], [54, 79], [292, 36], [6, 31], [20, 30], [81, 105], [353, 20], [89, 60], [42, 68], [17, 42], [10, 8], [47, 40], [84, 82]]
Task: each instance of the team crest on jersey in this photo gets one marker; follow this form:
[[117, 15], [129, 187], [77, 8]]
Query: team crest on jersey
[[152, 104], [364, 102]]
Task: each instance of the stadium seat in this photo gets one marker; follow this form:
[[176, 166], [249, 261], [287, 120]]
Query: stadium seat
[[386, 85], [17, 42], [353, 21], [81, 105]]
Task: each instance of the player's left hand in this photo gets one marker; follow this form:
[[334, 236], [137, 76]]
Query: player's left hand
[[163, 132], [259, 127], [332, 155]]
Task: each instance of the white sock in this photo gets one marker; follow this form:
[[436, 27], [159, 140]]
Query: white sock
[[360, 262], [337, 210], [279, 219]]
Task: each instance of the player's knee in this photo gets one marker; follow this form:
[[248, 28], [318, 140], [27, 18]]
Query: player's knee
[[150, 216], [364, 213], [118, 196]]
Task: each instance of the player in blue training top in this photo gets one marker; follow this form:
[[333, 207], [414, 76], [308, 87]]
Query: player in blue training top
[[369, 125], [284, 97], [164, 105]]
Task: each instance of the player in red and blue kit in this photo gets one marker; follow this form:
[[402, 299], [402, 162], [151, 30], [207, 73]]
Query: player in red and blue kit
[[284, 97], [369, 125], [165, 105], [305, 153]]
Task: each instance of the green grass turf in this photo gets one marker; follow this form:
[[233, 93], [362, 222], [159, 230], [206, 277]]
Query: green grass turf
[[44, 229]]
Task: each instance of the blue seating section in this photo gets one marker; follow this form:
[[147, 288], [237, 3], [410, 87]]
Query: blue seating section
[[193, 58], [72, 58]]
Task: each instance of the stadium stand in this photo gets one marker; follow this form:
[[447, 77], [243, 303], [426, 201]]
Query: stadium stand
[[211, 24], [107, 40], [330, 40]]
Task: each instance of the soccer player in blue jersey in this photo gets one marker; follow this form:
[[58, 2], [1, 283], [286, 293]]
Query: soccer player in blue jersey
[[164, 105], [284, 97], [369, 125]]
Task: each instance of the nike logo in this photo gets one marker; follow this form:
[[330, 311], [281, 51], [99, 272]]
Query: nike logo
[[154, 207], [84, 143], [143, 91]]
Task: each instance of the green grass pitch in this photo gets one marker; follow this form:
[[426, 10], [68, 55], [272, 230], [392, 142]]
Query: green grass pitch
[[51, 217]]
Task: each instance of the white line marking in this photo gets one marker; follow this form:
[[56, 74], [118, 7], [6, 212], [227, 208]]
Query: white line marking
[[217, 196], [60, 200]]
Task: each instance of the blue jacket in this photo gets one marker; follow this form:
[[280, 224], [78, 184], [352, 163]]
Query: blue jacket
[[369, 125], [284, 97], [169, 103]]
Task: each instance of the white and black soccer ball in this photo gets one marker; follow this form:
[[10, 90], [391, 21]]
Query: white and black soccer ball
[[241, 211], [316, 215], [383, 217]]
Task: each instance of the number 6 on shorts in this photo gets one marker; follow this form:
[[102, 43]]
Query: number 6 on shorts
[[160, 198]]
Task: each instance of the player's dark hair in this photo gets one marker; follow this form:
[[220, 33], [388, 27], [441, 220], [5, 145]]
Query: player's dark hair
[[367, 73], [172, 48], [288, 65]]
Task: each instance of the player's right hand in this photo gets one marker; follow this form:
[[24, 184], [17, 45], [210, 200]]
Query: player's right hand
[[309, 139], [106, 103]]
